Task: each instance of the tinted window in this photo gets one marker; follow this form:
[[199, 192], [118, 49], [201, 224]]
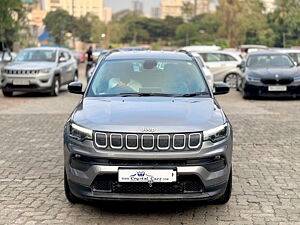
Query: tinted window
[[269, 61], [147, 76], [229, 58], [39, 55]]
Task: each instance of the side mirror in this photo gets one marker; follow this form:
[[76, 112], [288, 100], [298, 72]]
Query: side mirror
[[62, 59], [75, 88], [221, 88]]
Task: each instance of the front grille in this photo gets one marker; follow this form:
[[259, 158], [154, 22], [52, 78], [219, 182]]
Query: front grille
[[185, 184], [24, 72], [147, 142], [281, 81]]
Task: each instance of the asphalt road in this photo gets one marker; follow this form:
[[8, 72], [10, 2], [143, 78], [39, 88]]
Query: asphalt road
[[266, 168]]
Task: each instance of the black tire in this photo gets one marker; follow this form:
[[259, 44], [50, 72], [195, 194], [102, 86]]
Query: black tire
[[227, 194], [7, 93], [69, 195], [246, 95], [55, 86], [231, 80]]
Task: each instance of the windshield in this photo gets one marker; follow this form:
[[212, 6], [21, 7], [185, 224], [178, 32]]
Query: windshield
[[36, 56], [269, 61], [156, 77]]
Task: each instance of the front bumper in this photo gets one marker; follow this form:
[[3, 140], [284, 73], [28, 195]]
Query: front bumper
[[40, 82], [208, 168], [260, 89]]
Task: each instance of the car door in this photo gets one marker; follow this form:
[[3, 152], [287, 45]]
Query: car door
[[69, 67]]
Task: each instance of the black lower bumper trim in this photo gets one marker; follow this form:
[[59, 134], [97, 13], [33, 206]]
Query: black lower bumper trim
[[86, 193]]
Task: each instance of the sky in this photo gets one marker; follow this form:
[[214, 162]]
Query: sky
[[118, 5]]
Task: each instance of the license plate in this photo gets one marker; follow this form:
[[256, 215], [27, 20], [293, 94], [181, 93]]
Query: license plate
[[277, 88], [21, 82], [147, 175]]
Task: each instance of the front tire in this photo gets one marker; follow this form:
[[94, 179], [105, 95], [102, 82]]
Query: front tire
[[231, 79], [55, 86], [7, 93], [227, 194], [69, 195]]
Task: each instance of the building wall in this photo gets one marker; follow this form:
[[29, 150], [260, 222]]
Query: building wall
[[78, 7], [174, 7], [269, 5]]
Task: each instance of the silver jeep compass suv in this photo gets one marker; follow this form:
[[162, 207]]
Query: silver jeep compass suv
[[148, 128]]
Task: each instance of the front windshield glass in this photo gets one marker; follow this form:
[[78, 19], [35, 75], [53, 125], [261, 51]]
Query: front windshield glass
[[161, 77], [39, 55], [269, 61]]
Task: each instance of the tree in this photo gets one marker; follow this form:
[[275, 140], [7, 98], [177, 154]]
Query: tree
[[12, 20], [186, 33], [59, 23]]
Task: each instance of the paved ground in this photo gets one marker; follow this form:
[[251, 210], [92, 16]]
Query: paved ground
[[266, 182]]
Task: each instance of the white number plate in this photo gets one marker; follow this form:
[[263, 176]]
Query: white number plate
[[21, 82], [277, 88], [147, 175]]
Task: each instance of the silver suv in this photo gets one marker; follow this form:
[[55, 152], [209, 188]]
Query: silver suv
[[39, 69], [148, 128]]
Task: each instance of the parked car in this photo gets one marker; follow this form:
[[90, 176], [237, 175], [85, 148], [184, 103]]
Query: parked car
[[80, 57], [270, 73], [223, 64], [148, 128], [209, 76], [39, 69], [198, 48], [294, 53], [96, 52]]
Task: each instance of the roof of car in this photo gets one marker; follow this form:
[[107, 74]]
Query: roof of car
[[269, 52], [46, 48], [148, 55]]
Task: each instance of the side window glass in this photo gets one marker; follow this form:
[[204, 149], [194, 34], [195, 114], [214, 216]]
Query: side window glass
[[66, 55], [228, 58], [213, 57]]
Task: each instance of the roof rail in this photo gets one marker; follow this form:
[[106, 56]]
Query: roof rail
[[186, 52], [110, 52]]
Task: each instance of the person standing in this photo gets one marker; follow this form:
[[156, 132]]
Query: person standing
[[90, 60]]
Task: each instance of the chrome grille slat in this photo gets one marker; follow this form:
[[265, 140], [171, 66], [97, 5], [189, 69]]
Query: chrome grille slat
[[148, 142]]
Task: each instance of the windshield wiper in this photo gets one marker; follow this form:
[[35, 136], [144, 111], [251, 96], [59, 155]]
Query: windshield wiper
[[144, 94], [193, 94]]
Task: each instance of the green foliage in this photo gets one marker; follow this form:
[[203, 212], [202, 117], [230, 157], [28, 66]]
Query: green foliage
[[12, 20], [59, 23]]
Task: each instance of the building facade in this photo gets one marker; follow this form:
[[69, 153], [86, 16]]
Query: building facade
[[79, 8], [174, 7]]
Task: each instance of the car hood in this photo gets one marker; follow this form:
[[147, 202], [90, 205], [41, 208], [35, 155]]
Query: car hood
[[29, 65], [133, 114], [272, 72]]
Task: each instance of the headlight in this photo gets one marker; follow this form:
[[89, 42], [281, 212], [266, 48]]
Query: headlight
[[252, 78], [45, 70], [79, 133], [216, 134]]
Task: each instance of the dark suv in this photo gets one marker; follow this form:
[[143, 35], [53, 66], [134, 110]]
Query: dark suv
[[148, 128]]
